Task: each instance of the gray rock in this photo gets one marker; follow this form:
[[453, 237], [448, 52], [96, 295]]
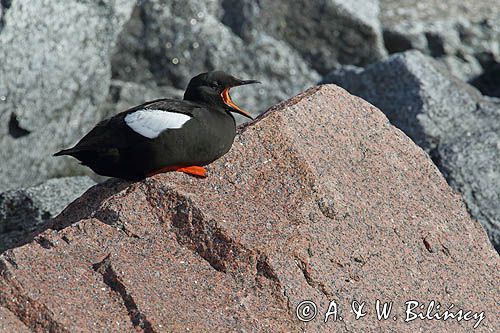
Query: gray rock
[[489, 81], [27, 210], [463, 35], [450, 119], [54, 75], [2, 11], [325, 33], [168, 42], [124, 95], [4, 6], [471, 164], [174, 42]]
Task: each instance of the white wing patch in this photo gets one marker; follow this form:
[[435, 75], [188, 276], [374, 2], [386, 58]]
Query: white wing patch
[[150, 123]]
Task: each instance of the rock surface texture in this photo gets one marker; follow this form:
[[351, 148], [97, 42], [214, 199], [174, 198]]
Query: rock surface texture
[[448, 118], [462, 35], [54, 75], [25, 211], [286, 47], [319, 199]]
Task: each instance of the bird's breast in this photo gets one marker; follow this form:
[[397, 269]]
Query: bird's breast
[[200, 141]]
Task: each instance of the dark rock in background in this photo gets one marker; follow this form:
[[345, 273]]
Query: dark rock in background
[[27, 210], [168, 42], [123, 95], [462, 35], [451, 120], [489, 81], [324, 33], [285, 46], [4, 6], [54, 77], [471, 163]]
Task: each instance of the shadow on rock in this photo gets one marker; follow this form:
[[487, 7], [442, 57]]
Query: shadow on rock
[[83, 207]]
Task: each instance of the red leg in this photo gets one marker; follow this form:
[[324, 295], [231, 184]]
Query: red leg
[[191, 170], [194, 171]]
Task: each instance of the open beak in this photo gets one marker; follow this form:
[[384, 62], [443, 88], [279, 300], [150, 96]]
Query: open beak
[[229, 102]]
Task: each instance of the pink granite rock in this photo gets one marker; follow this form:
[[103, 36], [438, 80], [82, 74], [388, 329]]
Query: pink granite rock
[[319, 199]]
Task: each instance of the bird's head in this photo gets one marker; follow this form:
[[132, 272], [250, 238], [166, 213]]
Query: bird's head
[[213, 88]]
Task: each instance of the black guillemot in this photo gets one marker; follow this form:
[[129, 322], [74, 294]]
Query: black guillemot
[[165, 134]]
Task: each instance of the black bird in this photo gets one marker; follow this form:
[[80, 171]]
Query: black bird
[[165, 135]]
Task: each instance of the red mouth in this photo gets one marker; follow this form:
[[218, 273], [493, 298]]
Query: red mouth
[[229, 102]]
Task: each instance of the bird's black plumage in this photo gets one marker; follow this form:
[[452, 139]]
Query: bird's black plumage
[[113, 148]]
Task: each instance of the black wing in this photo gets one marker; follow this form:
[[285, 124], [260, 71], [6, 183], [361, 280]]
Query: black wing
[[114, 133]]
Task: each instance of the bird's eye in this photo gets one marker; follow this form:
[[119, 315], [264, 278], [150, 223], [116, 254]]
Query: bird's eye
[[214, 84]]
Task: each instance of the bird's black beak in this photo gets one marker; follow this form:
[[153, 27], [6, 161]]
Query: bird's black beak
[[243, 82], [229, 102]]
